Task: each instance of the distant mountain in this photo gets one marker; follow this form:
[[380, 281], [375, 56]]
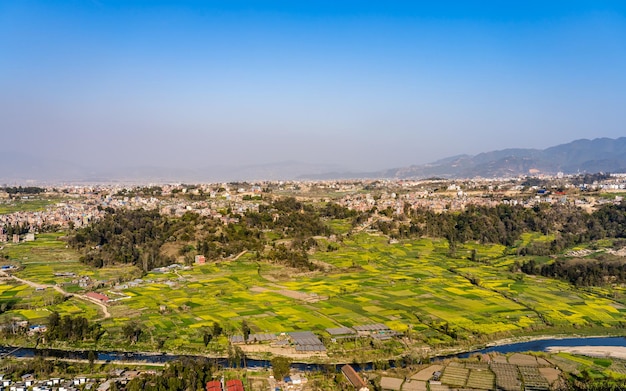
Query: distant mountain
[[598, 155], [590, 156], [601, 154]]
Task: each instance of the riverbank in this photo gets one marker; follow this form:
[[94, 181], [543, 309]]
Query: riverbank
[[592, 351], [504, 346]]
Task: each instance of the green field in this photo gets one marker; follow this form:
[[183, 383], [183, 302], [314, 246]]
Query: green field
[[414, 287], [29, 205]]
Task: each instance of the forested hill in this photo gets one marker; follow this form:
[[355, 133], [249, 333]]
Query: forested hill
[[288, 231], [148, 239]]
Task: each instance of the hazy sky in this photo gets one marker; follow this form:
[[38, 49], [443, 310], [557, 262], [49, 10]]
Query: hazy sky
[[363, 85]]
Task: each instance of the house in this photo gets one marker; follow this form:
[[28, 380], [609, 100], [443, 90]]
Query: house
[[106, 385], [127, 376], [354, 378], [98, 296], [80, 380], [200, 260], [214, 385], [29, 237], [54, 381], [297, 379], [234, 385], [29, 377], [18, 387], [37, 329]]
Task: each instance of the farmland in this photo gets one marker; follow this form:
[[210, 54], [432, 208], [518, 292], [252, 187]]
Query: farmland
[[25, 205], [432, 298]]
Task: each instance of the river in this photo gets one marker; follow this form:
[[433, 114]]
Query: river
[[541, 345], [538, 345]]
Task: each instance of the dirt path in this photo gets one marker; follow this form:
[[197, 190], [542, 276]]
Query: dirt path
[[103, 307], [239, 255], [57, 288]]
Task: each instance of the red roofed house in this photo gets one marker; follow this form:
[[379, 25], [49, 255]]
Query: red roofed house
[[98, 296], [354, 378], [234, 385], [214, 385]]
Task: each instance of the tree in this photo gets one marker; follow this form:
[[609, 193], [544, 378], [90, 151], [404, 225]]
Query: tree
[[91, 356], [217, 329], [245, 329], [235, 355], [53, 320], [280, 367], [207, 337], [132, 332]]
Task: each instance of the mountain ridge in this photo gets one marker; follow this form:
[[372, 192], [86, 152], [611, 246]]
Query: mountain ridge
[[578, 156], [583, 155]]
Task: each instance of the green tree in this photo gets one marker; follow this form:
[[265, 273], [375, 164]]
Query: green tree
[[91, 357], [280, 367], [217, 330], [207, 337], [245, 329], [132, 331]]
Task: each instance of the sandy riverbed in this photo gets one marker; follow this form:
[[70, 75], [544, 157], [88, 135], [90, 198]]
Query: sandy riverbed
[[592, 351]]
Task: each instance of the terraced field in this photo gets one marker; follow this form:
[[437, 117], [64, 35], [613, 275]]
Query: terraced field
[[413, 287]]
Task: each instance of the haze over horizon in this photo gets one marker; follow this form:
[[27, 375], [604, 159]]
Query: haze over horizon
[[356, 85]]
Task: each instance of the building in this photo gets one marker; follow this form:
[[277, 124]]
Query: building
[[200, 260], [354, 378], [214, 385], [98, 296], [234, 385]]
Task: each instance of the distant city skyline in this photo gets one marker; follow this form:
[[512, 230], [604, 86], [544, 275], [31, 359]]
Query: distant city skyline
[[356, 85]]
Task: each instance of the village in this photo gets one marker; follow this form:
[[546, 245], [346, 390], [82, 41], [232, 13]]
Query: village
[[78, 206]]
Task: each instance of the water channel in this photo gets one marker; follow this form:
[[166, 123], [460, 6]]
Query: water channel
[[121, 357]]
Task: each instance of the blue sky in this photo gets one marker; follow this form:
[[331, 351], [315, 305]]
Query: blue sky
[[354, 84]]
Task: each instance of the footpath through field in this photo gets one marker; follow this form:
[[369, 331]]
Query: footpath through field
[[35, 285]]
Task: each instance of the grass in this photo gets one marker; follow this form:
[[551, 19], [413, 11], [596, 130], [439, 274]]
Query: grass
[[29, 205]]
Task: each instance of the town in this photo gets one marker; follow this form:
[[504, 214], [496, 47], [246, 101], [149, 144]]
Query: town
[[77, 206]]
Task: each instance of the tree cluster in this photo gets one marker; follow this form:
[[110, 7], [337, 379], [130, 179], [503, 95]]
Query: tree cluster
[[229, 240], [293, 258], [504, 224], [183, 375], [24, 190], [128, 236], [73, 329], [580, 272], [290, 217], [16, 229]]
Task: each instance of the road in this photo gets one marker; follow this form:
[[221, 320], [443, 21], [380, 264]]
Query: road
[[35, 285]]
